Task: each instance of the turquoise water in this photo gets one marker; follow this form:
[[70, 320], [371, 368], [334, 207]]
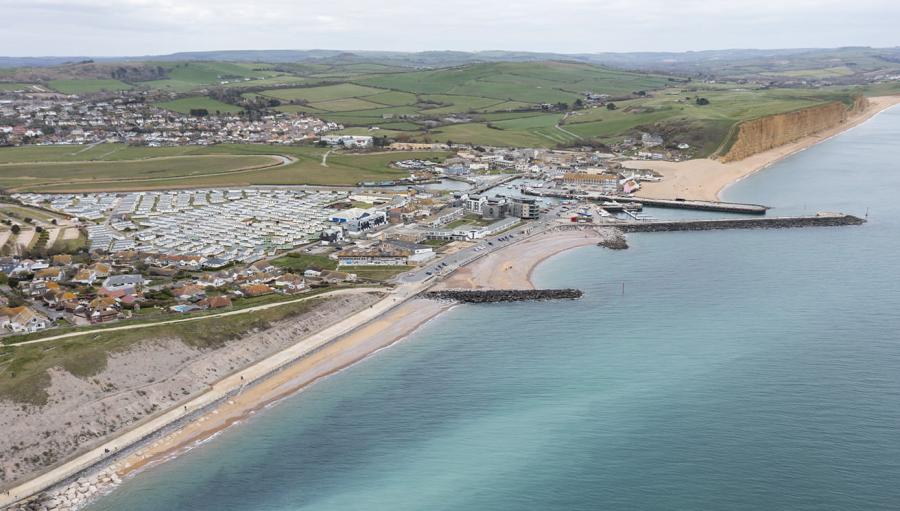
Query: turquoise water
[[739, 370]]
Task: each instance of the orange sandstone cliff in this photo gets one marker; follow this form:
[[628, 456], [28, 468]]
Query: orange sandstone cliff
[[758, 135]]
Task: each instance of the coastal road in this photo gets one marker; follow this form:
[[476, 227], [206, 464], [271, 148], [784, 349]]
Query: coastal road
[[219, 391], [337, 292]]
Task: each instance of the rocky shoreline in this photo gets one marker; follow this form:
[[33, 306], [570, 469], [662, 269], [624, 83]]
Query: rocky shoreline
[[73, 495]]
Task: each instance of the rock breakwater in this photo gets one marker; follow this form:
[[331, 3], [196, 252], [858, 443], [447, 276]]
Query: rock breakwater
[[502, 295]]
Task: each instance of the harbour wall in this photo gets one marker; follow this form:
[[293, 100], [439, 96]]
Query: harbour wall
[[836, 220]]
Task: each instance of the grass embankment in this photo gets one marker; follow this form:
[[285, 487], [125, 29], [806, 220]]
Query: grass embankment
[[23, 369]]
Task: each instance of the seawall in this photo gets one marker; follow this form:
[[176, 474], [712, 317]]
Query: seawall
[[758, 135]]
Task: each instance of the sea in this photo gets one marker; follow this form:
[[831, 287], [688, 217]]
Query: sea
[[732, 370]]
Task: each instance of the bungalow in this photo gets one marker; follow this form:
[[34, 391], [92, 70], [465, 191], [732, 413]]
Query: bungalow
[[256, 290], [121, 281], [188, 292], [216, 302]]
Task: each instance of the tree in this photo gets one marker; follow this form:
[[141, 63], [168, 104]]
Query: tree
[[16, 229], [579, 103], [702, 101], [611, 106], [199, 112]]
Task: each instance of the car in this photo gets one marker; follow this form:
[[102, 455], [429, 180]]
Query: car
[[427, 273]]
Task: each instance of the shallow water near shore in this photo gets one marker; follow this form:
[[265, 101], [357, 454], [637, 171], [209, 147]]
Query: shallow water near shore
[[736, 370]]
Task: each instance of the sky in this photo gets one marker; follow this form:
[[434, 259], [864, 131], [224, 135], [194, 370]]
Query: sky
[[153, 27]]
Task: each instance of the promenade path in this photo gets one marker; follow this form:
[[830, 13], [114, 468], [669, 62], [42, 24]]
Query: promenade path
[[220, 390]]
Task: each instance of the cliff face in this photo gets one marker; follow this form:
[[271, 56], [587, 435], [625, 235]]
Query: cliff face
[[758, 135]]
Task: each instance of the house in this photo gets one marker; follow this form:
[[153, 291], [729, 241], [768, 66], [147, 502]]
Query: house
[[256, 290], [101, 270], [188, 292], [213, 280], [379, 254], [23, 319], [216, 302], [290, 282], [86, 276], [52, 274], [103, 309], [122, 281]]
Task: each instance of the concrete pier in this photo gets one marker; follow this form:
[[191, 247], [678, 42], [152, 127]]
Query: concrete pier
[[700, 205]]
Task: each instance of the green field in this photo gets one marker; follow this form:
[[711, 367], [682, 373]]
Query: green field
[[115, 167], [185, 105], [14, 86], [326, 93], [119, 175], [674, 112], [87, 86]]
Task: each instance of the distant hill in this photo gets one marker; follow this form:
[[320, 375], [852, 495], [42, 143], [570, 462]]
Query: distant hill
[[692, 61]]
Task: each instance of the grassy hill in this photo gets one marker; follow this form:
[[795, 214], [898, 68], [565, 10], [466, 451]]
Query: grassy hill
[[492, 103]]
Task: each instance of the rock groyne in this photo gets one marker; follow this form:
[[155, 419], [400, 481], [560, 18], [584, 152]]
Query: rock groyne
[[502, 295]]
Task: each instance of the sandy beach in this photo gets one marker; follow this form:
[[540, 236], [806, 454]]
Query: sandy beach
[[341, 353], [706, 178], [509, 268]]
